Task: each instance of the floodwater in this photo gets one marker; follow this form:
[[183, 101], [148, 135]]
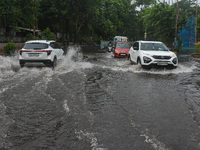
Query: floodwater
[[92, 101]]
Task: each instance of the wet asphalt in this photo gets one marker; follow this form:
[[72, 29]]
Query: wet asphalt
[[93, 101]]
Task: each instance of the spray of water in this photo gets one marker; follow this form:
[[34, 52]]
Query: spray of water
[[72, 60], [9, 66], [127, 67]]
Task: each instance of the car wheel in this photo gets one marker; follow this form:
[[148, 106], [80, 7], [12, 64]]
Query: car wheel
[[21, 64], [54, 63], [129, 58], [143, 66], [139, 61]]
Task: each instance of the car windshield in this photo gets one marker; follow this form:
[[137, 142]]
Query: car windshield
[[153, 46], [122, 45], [35, 46]]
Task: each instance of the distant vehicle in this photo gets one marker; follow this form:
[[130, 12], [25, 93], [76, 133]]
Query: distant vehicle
[[110, 46], [121, 49], [149, 53], [120, 39], [46, 52]]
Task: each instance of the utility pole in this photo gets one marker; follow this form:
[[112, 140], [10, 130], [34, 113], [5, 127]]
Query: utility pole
[[145, 35], [34, 21], [196, 27], [175, 39]]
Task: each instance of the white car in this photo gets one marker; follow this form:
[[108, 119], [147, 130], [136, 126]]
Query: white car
[[150, 53], [46, 52]]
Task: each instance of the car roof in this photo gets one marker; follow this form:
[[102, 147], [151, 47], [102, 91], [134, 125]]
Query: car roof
[[149, 41], [40, 41]]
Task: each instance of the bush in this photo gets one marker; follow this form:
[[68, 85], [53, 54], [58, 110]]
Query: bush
[[10, 48], [48, 35], [30, 36]]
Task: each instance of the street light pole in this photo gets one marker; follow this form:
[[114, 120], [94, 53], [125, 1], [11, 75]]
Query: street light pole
[[34, 18], [196, 27], [175, 39]]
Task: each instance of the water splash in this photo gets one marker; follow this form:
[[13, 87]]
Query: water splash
[[8, 66], [72, 60], [125, 66]]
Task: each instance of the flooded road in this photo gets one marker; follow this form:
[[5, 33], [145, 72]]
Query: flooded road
[[92, 101]]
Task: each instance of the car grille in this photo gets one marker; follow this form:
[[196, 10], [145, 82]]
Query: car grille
[[161, 57]]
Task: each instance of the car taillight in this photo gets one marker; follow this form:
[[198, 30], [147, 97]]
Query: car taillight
[[47, 51], [21, 51]]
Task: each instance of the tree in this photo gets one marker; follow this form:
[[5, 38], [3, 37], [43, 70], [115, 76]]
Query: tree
[[8, 15], [46, 34], [144, 3], [159, 20], [15, 14]]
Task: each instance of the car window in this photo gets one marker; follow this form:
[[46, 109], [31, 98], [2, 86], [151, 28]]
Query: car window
[[122, 45], [136, 45], [154, 46], [35, 46], [54, 45]]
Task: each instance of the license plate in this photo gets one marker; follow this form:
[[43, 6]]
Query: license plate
[[33, 55], [162, 64], [123, 54]]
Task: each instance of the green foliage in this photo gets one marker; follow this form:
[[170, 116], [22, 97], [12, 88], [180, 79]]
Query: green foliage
[[144, 3], [180, 42], [30, 36], [48, 35], [160, 20], [64, 41], [10, 48], [14, 14], [87, 20]]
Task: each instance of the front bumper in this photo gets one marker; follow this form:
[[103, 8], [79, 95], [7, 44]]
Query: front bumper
[[149, 61], [120, 54]]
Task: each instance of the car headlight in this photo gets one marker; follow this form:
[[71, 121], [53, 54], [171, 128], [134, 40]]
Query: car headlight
[[146, 59], [173, 55], [116, 50], [175, 60]]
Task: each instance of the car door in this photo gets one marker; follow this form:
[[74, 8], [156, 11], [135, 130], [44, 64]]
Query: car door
[[134, 52]]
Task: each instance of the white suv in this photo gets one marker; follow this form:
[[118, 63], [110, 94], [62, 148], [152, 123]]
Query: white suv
[[40, 51], [149, 53]]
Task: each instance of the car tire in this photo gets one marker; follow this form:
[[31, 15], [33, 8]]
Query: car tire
[[139, 61], [129, 58], [143, 66], [21, 64], [54, 62]]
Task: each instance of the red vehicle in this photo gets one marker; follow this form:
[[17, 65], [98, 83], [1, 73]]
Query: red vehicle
[[121, 49]]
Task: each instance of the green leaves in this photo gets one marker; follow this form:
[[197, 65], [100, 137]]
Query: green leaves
[[160, 20]]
